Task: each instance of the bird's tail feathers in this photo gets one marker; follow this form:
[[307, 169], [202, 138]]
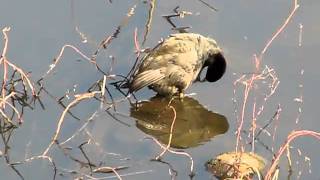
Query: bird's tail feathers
[[145, 78]]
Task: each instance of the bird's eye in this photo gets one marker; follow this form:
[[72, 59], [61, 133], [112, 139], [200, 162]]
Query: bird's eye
[[216, 68]]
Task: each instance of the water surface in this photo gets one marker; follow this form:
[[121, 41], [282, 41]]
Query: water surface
[[39, 29]]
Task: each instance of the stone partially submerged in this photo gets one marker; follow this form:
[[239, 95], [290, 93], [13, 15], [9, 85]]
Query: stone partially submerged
[[236, 165]]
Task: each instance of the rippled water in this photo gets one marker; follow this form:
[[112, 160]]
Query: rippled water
[[206, 122]]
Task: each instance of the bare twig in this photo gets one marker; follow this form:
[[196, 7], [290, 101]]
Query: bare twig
[[58, 58], [208, 5], [249, 84], [59, 126], [176, 152], [170, 133], [83, 127], [104, 43], [284, 25], [149, 21], [48, 158], [295, 134], [179, 14], [9, 90]]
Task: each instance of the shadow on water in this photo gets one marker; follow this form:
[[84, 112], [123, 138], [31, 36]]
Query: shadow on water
[[194, 123]]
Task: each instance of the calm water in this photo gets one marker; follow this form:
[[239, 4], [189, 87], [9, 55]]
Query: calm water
[[206, 122]]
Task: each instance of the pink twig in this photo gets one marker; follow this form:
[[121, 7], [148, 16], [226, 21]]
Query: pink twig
[[136, 42], [253, 126], [175, 152], [248, 87], [282, 149], [248, 84], [171, 132], [295, 7], [58, 58]]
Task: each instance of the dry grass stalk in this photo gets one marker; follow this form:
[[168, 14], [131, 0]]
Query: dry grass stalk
[[295, 134], [167, 147], [8, 90], [79, 98], [284, 25], [105, 42], [149, 21], [250, 83], [58, 58], [176, 152], [170, 134]]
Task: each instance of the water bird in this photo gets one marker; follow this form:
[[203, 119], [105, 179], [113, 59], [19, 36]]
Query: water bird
[[176, 62]]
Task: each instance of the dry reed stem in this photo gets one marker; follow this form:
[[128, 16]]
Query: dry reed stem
[[12, 107], [276, 117], [6, 118], [122, 175], [58, 58], [112, 169], [103, 90], [175, 152], [26, 82], [248, 85], [5, 62], [288, 154], [167, 148], [79, 98], [4, 100], [295, 134], [208, 5], [253, 126], [170, 135], [24, 76], [6, 41], [79, 130], [149, 21], [136, 42], [48, 158], [104, 43], [83, 163], [294, 9]]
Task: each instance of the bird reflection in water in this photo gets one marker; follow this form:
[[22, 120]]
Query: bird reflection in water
[[194, 124]]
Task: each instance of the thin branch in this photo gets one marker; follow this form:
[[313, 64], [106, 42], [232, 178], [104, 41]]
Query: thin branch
[[59, 126], [284, 25], [149, 21], [170, 135], [292, 136]]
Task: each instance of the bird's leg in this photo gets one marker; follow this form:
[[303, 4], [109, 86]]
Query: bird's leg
[[181, 95]]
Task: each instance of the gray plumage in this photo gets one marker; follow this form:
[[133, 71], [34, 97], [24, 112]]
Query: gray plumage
[[173, 65]]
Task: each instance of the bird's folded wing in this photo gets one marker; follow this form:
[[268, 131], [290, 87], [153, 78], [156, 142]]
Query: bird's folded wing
[[146, 78]]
